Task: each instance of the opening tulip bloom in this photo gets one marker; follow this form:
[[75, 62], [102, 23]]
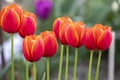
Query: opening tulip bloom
[[28, 24], [50, 42], [43, 8], [11, 18], [75, 34], [98, 37], [33, 48]]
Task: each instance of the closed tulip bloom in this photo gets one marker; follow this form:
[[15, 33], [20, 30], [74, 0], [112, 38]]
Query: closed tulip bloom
[[75, 34], [33, 48], [43, 8], [98, 37], [57, 23], [28, 24], [103, 36], [50, 41], [11, 18]]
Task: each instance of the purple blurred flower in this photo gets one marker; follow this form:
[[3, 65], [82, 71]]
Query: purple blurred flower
[[43, 8]]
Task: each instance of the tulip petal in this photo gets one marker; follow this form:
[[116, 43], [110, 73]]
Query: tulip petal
[[71, 36], [26, 51], [37, 50], [105, 40], [89, 42], [51, 46]]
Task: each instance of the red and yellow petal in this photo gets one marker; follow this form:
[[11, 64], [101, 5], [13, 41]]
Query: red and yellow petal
[[26, 51], [105, 40], [72, 36], [37, 49]]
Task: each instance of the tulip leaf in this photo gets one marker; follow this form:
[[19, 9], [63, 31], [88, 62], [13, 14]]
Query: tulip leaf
[[43, 77]]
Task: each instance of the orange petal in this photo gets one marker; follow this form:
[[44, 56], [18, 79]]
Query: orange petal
[[26, 51]]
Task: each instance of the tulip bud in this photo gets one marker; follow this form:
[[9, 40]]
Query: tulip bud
[[28, 24], [50, 42], [33, 48], [75, 34], [11, 18], [43, 8]]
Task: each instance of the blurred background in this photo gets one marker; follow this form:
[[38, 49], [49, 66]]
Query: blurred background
[[106, 12]]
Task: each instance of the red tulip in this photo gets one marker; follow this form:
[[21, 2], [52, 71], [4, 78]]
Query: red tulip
[[75, 34], [28, 24], [50, 42], [11, 18], [33, 48], [98, 37], [58, 22]]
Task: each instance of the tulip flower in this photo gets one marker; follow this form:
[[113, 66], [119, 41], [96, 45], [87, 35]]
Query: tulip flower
[[50, 42], [58, 28], [11, 18], [58, 22], [75, 34], [28, 24], [43, 8], [98, 37], [51, 47], [33, 48]]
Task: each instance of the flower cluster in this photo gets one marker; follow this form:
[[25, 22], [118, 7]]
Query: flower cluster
[[13, 19], [36, 46], [76, 34]]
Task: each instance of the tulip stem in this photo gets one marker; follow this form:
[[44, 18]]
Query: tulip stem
[[60, 63], [90, 65], [75, 64], [67, 59], [27, 70], [34, 70], [12, 56], [48, 68], [98, 65]]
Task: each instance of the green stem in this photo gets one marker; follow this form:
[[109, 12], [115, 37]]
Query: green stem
[[12, 56], [67, 59], [98, 65], [75, 64], [60, 64], [90, 65], [48, 68], [34, 70], [27, 70]]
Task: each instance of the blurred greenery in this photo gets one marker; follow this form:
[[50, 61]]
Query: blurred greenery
[[88, 11]]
